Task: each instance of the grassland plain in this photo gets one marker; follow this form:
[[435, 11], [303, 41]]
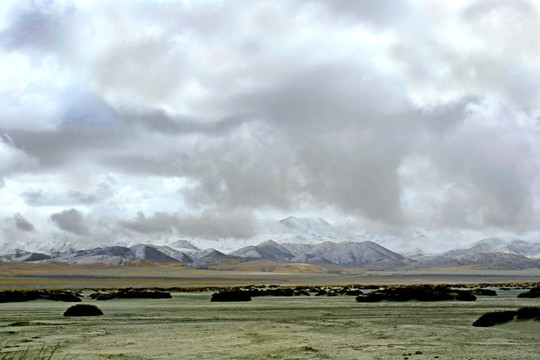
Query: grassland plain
[[189, 326], [40, 275]]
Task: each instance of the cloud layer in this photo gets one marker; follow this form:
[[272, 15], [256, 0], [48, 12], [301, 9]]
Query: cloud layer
[[201, 118]]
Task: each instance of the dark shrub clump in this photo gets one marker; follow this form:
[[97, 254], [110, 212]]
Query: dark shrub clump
[[233, 295], [83, 310], [417, 292], [528, 312], [533, 293], [484, 292], [494, 318], [28, 295], [132, 294]]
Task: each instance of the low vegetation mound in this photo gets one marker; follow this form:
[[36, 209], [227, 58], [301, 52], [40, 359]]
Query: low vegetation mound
[[132, 294], [484, 292], [532, 293], [276, 290], [417, 292], [28, 295], [494, 318], [270, 292], [83, 310], [529, 312], [233, 295]]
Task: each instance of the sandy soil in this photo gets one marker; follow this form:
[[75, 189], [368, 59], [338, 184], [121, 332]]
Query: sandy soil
[[189, 326]]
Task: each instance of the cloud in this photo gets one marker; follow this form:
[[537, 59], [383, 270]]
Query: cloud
[[51, 197], [102, 192], [13, 159], [380, 14], [38, 25], [212, 224], [22, 223], [401, 115], [71, 221]]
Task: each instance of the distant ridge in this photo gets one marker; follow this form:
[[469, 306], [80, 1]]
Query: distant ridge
[[299, 240]]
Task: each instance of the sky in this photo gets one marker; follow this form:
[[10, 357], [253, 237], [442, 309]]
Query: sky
[[122, 119]]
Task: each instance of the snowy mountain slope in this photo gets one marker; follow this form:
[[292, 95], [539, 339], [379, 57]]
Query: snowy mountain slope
[[484, 260], [304, 231], [350, 253], [24, 256], [366, 252], [152, 254], [184, 245], [269, 250], [112, 255], [500, 245], [290, 239], [211, 257], [182, 256], [424, 241], [493, 253]]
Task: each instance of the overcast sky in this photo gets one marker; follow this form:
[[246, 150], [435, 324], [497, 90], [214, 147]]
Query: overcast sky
[[200, 118]]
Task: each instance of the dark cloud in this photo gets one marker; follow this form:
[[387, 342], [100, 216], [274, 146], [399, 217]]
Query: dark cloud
[[22, 223], [102, 192], [68, 145], [33, 196], [157, 120], [43, 197], [38, 25], [71, 221], [211, 224], [380, 14], [490, 168], [159, 222]]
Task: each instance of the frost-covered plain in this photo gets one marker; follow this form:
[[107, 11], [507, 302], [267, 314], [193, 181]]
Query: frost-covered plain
[[189, 326]]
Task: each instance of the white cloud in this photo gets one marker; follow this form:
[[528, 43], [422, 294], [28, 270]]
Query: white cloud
[[418, 114]]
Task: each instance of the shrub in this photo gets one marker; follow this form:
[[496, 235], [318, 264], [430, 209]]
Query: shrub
[[61, 296], [131, 294], [233, 295], [462, 295], [28, 295], [494, 318], [484, 292], [417, 292], [528, 312], [532, 293], [83, 310]]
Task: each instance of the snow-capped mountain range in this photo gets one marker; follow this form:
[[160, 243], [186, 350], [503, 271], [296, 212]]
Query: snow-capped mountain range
[[299, 240]]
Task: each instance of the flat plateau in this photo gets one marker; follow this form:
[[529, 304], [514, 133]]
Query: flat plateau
[[189, 326], [24, 275]]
